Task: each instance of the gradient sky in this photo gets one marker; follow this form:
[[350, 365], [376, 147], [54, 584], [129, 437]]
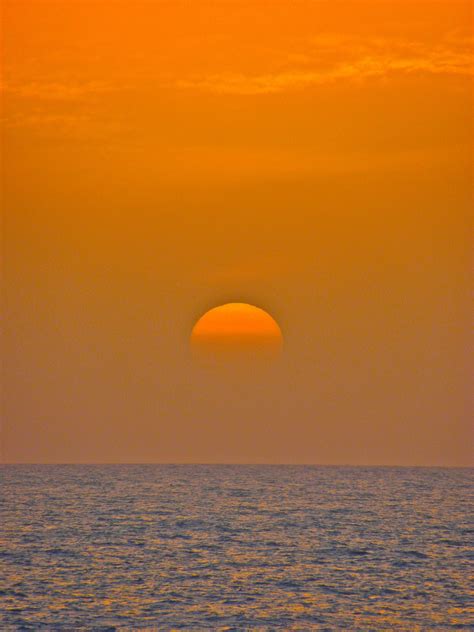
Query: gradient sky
[[311, 158]]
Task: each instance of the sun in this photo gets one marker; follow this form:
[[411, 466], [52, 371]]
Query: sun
[[236, 327]]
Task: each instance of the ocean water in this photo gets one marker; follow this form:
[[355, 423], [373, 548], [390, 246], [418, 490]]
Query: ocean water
[[235, 548]]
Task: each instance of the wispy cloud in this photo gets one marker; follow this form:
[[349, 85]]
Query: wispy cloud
[[55, 107], [333, 57], [57, 90]]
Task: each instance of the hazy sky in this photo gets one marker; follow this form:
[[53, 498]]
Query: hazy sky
[[311, 158]]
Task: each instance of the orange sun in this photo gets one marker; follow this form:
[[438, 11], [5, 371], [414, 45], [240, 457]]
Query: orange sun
[[236, 327]]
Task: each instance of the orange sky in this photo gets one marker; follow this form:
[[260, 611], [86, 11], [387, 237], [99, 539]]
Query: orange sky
[[311, 158]]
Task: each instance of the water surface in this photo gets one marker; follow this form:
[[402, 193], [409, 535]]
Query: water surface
[[235, 547]]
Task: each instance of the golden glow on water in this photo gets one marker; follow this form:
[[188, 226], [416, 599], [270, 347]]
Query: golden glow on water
[[199, 547]]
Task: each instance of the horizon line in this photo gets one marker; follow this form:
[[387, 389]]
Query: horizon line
[[243, 464]]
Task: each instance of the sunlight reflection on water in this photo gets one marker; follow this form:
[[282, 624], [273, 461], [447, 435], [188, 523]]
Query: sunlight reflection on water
[[235, 547]]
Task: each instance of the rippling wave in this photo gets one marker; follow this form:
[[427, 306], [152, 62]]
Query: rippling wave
[[235, 548]]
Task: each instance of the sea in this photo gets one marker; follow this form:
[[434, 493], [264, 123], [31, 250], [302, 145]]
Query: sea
[[235, 547]]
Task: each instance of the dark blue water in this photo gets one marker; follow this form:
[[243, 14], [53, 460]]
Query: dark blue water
[[235, 547]]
